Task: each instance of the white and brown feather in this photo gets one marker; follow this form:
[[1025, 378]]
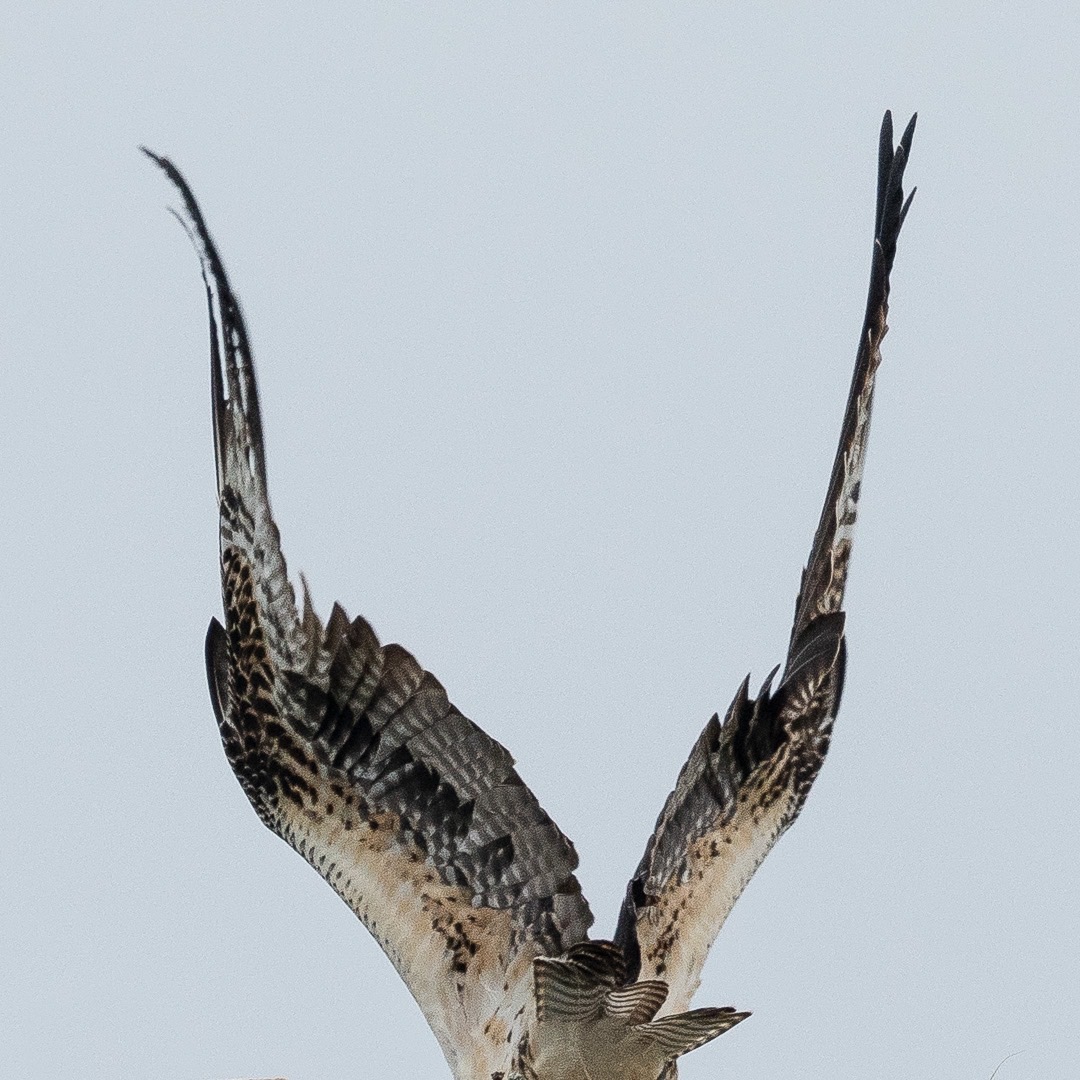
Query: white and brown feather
[[355, 756], [747, 779], [353, 753]]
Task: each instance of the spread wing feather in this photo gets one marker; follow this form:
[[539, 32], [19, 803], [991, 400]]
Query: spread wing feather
[[746, 779], [353, 753]]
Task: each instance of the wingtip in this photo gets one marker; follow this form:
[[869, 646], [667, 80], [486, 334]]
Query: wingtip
[[892, 207], [231, 365], [907, 205], [887, 126], [175, 176], [909, 132]]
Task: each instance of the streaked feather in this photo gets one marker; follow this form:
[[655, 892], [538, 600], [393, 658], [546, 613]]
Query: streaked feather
[[354, 754], [747, 778]]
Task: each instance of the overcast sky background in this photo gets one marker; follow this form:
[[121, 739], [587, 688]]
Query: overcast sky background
[[554, 308]]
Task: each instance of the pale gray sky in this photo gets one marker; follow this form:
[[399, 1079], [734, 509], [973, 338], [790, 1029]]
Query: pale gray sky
[[555, 308]]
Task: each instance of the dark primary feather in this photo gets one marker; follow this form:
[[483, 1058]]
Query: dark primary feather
[[353, 753], [747, 778], [822, 588]]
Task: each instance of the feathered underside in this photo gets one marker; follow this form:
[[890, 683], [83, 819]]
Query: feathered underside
[[353, 753], [746, 779]]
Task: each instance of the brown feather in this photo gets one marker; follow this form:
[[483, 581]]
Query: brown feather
[[747, 779]]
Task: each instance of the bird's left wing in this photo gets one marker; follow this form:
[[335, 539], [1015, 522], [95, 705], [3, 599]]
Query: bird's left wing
[[353, 753], [746, 779]]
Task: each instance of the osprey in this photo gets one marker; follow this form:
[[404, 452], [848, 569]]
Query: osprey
[[353, 753]]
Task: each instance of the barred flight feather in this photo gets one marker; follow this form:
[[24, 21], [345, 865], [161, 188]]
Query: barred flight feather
[[355, 755]]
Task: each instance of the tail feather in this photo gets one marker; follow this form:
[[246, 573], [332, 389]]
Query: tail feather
[[638, 1003], [575, 986], [679, 1034]]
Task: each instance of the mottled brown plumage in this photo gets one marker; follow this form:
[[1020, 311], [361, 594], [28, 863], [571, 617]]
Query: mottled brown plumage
[[746, 779], [353, 753]]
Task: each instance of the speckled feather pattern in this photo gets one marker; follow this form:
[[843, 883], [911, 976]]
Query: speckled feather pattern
[[747, 779], [354, 754]]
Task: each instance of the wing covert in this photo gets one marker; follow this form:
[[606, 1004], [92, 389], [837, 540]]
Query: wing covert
[[354, 754], [746, 779]]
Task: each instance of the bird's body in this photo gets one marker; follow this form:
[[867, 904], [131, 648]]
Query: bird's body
[[355, 756], [604, 1049]]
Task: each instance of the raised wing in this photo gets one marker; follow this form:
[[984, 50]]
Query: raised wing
[[353, 754], [747, 778]]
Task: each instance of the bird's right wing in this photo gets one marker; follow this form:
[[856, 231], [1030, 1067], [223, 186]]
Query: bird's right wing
[[747, 778], [353, 754]]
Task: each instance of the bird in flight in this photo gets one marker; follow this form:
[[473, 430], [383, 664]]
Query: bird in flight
[[353, 753]]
